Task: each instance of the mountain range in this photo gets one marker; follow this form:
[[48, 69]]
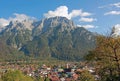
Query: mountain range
[[56, 37]]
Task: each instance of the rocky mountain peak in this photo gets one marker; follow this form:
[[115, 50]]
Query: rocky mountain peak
[[59, 21], [116, 30], [45, 24], [19, 25], [54, 21]]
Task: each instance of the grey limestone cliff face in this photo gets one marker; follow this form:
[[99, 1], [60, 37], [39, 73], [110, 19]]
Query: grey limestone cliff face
[[47, 23]]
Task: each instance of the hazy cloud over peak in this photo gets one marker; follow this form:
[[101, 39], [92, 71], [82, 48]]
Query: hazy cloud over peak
[[3, 22], [16, 17], [20, 17]]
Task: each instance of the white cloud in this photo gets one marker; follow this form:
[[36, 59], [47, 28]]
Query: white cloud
[[113, 7], [113, 13], [60, 11], [83, 14], [63, 11], [117, 25], [87, 26], [117, 5], [83, 19], [76, 13]]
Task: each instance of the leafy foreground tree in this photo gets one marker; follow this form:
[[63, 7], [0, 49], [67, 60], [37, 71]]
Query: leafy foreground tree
[[39, 79], [0, 79], [47, 79], [106, 56], [86, 76], [15, 76]]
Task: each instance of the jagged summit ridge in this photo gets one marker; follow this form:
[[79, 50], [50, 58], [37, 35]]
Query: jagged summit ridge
[[45, 24], [41, 25]]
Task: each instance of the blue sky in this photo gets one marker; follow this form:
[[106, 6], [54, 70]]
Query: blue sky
[[95, 15]]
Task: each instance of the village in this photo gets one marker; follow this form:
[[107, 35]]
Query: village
[[65, 72]]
